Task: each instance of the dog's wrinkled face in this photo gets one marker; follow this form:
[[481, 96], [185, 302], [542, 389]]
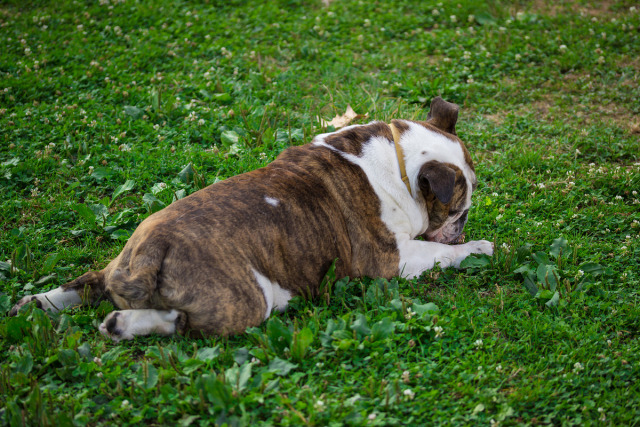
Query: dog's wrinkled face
[[447, 194], [446, 188]]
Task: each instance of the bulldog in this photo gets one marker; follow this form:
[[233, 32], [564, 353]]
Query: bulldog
[[223, 258]]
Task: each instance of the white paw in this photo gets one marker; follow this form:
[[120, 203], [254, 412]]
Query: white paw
[[115, 326], [473, 247], [480, 247]]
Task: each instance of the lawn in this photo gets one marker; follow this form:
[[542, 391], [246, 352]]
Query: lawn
[[112, 109]]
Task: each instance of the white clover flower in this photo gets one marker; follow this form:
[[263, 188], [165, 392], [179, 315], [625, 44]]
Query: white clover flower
[[601, 60], [577, 367], [372, 416], [410, 394], [453, 18], [320, 403], [406, 376], [499, 368], [410, 313], [439, 331], [125, 403], [541, 185], [562, 48], [603, 417], [35, 192], [478, 344], [518, 57], [471, 18], [435, 12]]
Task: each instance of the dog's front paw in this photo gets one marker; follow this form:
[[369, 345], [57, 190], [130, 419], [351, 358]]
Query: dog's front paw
[[473, 247], [115, 326], [24, 301], [480, 247]]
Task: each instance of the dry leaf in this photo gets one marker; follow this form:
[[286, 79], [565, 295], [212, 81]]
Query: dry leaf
[[343, 120]]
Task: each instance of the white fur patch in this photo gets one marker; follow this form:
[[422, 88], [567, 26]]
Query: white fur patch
[[405, 214], [417, 256], [54, 300], [275, 296], [271, 201], [132, 323]]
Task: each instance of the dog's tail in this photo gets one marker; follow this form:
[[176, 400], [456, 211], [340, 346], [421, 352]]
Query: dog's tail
[[137, 283]]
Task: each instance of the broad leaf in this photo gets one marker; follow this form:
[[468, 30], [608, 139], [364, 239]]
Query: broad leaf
[[382, 329], [241, 355], [207, 354], [547, 276], [541, 258], [133, 112], [360, 325], [187, 173], [124, 188], [476, 261], [302, 339], [229, 137], [279, 335], [427, 308], [152, 202], [281, 367], [86, 213], [558, 247], [592, 268], [555, 299], [530, 285], [50, 261], [147, 376], [101, 173]]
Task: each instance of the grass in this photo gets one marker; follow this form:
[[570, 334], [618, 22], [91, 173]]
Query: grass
[[110, 110]]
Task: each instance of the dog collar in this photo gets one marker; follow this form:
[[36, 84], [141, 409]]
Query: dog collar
[[400, 155]]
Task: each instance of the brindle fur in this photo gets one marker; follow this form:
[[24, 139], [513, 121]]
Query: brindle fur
[[198, 254], [178, 257]]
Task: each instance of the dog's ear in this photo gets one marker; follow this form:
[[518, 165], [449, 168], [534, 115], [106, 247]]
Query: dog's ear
[[443, 115], [437, 178]]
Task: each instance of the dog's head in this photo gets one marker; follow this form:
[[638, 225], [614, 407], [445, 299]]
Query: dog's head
[[445, 174]]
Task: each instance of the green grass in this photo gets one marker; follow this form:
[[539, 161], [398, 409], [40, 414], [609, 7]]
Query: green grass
[[97, 96]]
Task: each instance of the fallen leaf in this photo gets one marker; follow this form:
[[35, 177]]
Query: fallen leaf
[[343, 120]]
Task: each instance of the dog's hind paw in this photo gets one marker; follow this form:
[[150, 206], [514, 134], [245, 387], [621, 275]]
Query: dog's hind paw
[[24, 301]]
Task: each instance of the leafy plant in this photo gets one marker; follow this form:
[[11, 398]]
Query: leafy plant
[[548, 277]]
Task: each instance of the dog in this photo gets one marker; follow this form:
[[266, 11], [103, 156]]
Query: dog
[[222, 259]]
